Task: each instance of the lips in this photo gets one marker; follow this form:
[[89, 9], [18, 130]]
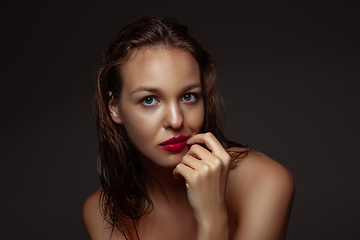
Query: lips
[[174, 144]]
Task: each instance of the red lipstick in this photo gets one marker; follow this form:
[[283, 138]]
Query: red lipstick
[[174, 144]]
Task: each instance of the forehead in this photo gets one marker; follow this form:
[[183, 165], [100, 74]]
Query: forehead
[[160, 67]]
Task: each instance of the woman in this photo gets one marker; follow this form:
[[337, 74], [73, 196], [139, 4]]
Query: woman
[[167, 171]]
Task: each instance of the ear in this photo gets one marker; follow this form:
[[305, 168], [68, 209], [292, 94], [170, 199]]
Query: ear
[[114, 110]]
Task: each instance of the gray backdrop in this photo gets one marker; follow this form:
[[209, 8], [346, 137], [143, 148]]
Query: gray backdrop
[[288, 70]]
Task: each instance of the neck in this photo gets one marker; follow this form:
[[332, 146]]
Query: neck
[[161, 184]]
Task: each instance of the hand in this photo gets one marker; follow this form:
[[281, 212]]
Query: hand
[[205, 172]]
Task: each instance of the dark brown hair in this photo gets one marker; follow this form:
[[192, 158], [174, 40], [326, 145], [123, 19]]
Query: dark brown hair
[[123, 191]]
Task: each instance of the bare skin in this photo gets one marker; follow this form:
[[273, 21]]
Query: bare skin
[[258, 199], [194, 193]]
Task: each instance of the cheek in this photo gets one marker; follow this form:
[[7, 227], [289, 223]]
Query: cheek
[[139, 127], [201, 119], [196, 119]]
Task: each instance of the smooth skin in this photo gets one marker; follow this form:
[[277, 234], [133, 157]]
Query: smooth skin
[[194, 193]]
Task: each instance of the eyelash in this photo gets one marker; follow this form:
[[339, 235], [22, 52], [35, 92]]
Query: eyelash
[[194, 95], [154, 98], [143, 101]]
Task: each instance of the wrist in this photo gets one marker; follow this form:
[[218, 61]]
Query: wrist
[[214, 229]]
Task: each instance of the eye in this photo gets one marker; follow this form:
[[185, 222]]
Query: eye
[[149, 101], [189, 97]]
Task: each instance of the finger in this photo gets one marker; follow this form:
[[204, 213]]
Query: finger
[[182, 170], [212, 144], [193, 161], [197, 153], [191, 176], [208, 139]]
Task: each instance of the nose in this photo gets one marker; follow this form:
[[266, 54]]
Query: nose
[[173, 117]]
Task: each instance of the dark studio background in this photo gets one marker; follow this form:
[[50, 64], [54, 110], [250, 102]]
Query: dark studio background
[[289, 72]]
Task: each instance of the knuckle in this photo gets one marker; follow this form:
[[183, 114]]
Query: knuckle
[[209, 134], [227, 157], [218, 163], [206, 169], [194, 147], [179, 166], [176, 169]]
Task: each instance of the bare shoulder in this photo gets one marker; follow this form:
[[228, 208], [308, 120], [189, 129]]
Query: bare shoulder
[[95, 225], [259, 170], [91, 216], [260, 193], [91, 205]]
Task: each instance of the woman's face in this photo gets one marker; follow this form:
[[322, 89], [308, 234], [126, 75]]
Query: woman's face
[[161, 104]]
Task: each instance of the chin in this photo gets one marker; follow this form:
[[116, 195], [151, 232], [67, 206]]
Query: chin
[[172, 161], [165, 159]]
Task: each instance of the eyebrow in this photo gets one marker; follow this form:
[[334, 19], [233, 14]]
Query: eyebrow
[[158, 90]]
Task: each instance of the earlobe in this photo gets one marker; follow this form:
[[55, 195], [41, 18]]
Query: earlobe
[[114, 111]]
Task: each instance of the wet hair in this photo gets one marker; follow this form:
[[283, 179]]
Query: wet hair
[[123, 192]]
